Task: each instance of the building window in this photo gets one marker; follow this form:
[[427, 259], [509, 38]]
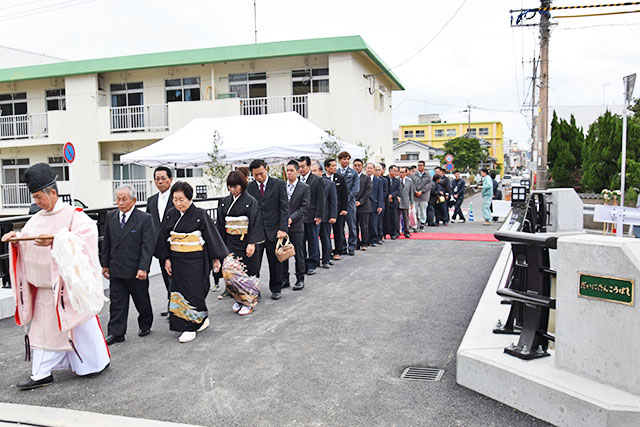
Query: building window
[[451, 132], [55, 100], [472, 131], [127, 172], [310, 81], [126, 94], [439, 133], [60, 168], [483, 131], [186, 89], [13, 104], [410, 156], [419, 134], [189, 173], [13, 170], [248, 85], [408, 134]]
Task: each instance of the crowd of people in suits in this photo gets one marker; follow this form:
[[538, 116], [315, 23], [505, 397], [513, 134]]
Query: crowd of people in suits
[[327, 210]]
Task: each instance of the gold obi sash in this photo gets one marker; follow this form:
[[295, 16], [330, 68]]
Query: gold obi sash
[[237, 225], [186, 242]]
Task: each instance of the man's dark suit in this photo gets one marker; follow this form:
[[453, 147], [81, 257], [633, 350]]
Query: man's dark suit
[[330, 211], [298, 207], [125, 251], [152, 208], [311, 229], [383, 216], [342, 191], [274, 206], [392, 226], [364, 209], [377, 201]]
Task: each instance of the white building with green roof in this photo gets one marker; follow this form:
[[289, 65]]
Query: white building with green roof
[[111, 106]]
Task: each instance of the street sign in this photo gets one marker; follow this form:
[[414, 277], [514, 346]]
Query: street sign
[[448, 158], [69, 152], [449, 167]]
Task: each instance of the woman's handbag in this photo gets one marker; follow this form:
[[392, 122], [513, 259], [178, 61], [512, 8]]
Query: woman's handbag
[[284, 249]]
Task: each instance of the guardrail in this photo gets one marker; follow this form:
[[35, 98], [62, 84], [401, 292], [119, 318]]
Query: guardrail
[[98, 215]]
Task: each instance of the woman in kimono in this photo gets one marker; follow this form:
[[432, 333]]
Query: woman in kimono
[[192, 247], [240, 225]]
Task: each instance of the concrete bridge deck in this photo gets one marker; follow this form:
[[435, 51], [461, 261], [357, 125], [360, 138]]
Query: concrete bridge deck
[[331, 354]]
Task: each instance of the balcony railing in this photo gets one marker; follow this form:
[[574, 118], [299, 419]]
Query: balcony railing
[[141, 187], [15, 196], [140, 118], [274, 104], [24, 126]]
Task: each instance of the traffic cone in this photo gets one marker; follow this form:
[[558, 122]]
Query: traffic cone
[[471, 212]]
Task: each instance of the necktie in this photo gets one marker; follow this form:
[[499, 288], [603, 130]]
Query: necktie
[[123, 221], [304, 179], [262, 189], [289, 190]]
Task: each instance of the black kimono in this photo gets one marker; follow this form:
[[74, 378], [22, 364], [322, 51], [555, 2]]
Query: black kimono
[[191, 242], [244, 206]]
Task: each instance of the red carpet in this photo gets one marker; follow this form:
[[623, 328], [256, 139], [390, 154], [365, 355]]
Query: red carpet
[[467, 237]]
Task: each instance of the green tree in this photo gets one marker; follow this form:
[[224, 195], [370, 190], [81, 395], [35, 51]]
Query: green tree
[[216, 169], [565, 152], [331, 145], [467, 152], [601, 152]]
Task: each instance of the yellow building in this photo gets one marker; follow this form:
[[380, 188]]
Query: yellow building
[[437, 134]]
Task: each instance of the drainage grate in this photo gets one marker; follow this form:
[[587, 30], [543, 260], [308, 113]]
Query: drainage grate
[[422, 374]]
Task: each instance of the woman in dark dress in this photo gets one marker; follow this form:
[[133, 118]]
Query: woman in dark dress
[[192, 248], [240, 225]]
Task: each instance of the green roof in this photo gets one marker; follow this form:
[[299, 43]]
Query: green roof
[[199, 56]]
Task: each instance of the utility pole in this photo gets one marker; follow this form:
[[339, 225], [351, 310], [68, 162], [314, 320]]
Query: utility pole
[[533, 109], [545, 34]]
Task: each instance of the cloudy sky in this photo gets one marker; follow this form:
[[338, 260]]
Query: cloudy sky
[[477, 59]]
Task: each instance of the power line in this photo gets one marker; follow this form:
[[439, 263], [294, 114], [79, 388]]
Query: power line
[[424, 46], [41, 10]]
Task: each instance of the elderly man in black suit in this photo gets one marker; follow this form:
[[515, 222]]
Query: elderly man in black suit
[[392, 226], [313, 217], [157, 206], [128, 245], [363, 205], [271, 194], [299, 201]]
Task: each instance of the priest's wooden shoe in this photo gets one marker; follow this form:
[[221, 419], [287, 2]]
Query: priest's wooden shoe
[[30, 384]]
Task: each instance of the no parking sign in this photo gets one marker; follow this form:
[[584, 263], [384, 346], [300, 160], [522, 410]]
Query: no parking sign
[[69, 152]]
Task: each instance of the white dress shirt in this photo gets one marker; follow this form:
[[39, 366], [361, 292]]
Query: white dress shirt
[[163, 200], [126, 214]]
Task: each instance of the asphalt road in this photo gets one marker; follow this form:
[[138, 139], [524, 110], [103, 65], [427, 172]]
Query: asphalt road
[[330, 355]]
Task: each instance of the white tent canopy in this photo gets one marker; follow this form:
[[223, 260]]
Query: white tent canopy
[[272, 137]]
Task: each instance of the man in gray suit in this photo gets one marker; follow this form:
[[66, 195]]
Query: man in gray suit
[[422, 182], [363, 204], [406, 198], [353, 187], [128, 245], [299, 202]]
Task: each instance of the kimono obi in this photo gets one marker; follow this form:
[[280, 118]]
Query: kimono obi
[[237, 225], [186, 242]]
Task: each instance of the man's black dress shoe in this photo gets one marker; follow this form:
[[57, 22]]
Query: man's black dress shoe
[[275, 295], [352, 253], [31, 384], [143, 332], [407, 235], [373, 244], [298, 286], [393, 237], [164, 314], [111, 339], [286, 285], [325, 265], [311, 272], [330, 262]]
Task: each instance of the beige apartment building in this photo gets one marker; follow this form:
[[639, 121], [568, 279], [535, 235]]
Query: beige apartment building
[[112, 106]]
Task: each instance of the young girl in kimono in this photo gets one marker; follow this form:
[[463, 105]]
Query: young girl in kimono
[[240, 225]]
